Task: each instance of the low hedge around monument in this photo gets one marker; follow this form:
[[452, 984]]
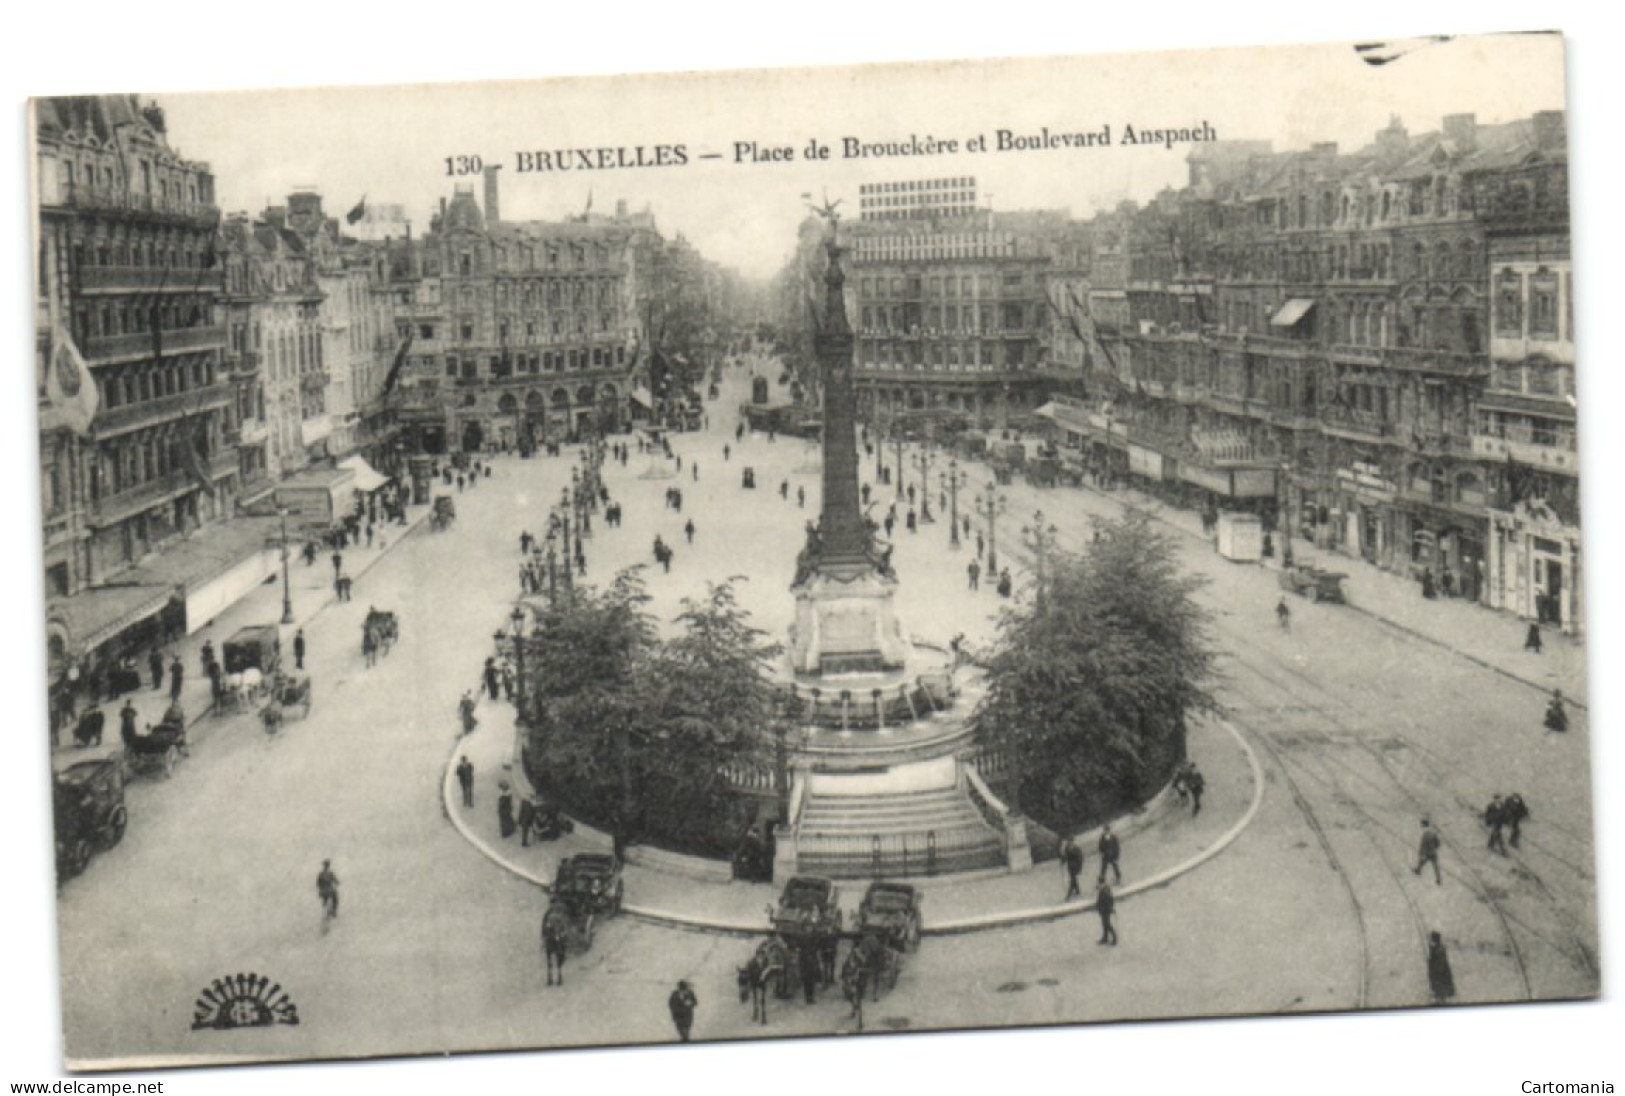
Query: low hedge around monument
[[634, 734], [1093, 678]]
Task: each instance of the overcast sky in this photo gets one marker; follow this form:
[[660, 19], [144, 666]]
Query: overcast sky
[[392, 143]]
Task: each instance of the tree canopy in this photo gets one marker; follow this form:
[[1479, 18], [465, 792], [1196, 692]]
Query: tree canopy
[[634, 731], [1091, 681]]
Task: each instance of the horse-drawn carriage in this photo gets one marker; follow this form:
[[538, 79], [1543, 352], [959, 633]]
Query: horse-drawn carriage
[[587, 888], [378, 634], [288, 693], [443, 514], [161, 748]]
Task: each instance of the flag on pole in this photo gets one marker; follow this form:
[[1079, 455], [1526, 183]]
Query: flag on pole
[[358, 212], [193, 455], [69, 385], [394, 374]]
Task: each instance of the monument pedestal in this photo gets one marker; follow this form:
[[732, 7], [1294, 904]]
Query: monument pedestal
[[846, 623]]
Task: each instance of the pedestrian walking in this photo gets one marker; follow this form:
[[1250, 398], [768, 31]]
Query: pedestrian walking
[[801, 496], [974, 570], [913, 521], [338, 565], [177, 674], [369, 534], [527, 820], [1428, 852], [155, 664], [978, 545], [1110, 850], [1283, 615], [1195, 785], [1106, 906], [1496, 819], [1517, 813], [784, 489], [493, 678], [299, 649], [890, 521], [206, 656], [1531, 640], [216, 683], [126, 722], [1557, 719], [1441, 982], [682, 1004], [727, 452], [465, 780], [688, 530], [465, 712], [1072, 857], [505, 821], [345, 585], [695, 469], [327, 889]]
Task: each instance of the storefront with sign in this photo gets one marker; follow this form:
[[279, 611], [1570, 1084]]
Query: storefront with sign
[[1365, 513]]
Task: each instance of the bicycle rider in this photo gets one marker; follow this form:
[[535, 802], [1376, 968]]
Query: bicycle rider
[[327, 888]]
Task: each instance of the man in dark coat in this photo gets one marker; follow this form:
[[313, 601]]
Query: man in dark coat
[[1106, 906], [1557, 719], [126, 721], [1517, 813], [299, 649], [1072, 856], [505, 822], [682, 1004], [527, 820], [1110, 850], [465, 779], [1428, 852], [1441, 982], [89, 730], [155, 663], [1195, 785], [177, 674], [1495, 818], [493, 678]]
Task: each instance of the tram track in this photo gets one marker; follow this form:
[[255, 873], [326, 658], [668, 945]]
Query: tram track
[[1533, 915]]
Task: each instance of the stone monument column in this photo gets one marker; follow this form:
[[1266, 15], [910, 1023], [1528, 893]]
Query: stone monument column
[[845, 622]]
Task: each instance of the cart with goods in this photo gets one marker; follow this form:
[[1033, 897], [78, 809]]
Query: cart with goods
[[1307, 580]]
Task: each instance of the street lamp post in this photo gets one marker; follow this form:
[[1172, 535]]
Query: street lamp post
[[953, 480], [552, 563], [518, 619], [287, 591], [1286, 513], [990, 505], [564, 523], [1042, 538], [923, 461], [897, 465]]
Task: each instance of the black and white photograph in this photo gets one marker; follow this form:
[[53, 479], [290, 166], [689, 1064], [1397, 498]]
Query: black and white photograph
[[817, 550]]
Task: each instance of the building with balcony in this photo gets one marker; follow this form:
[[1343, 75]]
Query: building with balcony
[[952, 306], [1330, 313], [524, 331], [127, 279]]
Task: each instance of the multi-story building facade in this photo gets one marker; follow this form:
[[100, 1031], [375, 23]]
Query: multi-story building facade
[[953, 309], [525, 330], [128, 272], [1311, 334]]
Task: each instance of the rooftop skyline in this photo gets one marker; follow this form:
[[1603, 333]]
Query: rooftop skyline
[[742, 207]]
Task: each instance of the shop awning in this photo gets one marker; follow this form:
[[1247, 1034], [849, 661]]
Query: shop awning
[[641, 396], [97, 614], [367, 478], [1293, 311]]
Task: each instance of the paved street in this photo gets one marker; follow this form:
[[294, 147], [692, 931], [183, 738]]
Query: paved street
[[1361, 728]]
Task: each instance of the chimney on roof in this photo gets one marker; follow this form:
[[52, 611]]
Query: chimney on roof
[[1393, 140], [305, 209], [1551, 132], [1461, 130], [493, 203]]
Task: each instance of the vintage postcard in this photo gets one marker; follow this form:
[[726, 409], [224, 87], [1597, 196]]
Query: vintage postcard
[[748, 554]]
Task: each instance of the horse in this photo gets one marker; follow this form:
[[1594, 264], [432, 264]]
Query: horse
[[555, 942], [766, 965]]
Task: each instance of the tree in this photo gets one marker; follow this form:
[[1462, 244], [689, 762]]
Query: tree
[[638, 734], [713, 708], [1092, 681]]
